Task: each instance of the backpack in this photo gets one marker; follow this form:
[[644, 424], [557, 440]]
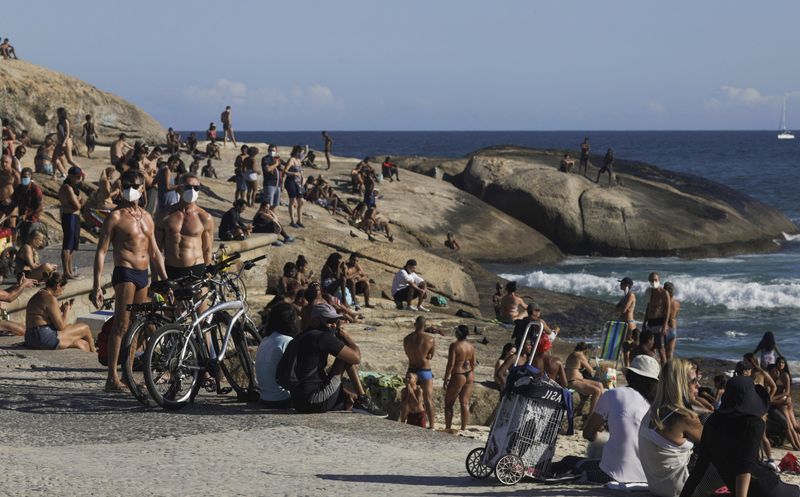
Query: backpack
[[286, 372], [439, 301]]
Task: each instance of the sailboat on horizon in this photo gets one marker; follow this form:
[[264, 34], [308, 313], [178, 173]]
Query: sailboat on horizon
[[784, 133]]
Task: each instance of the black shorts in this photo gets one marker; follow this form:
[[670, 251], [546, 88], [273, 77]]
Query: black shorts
[[71, 226], [329, 396], [402, 295], [197, 271], [655, 325]]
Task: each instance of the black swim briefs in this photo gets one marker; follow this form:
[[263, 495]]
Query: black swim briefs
[[138, 277], [197, 271]]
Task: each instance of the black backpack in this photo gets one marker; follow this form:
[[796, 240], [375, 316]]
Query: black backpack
[[286, 373]]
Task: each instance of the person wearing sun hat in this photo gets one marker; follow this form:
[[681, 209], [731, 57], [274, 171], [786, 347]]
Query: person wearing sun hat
[[731, 440], [622, 410]]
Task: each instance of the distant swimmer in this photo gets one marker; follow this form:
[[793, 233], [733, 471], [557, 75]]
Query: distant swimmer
[[227, 126], [584, 163], [328, 148], [510, 304], [656, 316], [608, 167]]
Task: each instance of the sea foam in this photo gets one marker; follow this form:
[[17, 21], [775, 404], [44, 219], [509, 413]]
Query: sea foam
[[700, 290]]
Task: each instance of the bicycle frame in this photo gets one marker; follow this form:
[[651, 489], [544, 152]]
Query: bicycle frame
[[237, 305]]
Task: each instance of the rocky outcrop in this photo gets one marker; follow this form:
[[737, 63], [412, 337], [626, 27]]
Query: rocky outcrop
[[649, 212], [30, 95]]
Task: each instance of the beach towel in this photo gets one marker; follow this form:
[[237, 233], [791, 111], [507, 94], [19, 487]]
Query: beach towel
[[96, 217], [613, 337]]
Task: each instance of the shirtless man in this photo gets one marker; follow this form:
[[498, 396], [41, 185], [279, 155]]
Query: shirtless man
[[328, 147], [119, 149], [576, 362], [227, 127], [185, 232], [9, 179], [149, 168], [89, 135], [420, 349], [656, 316], [70, 203], [584, 163], [459, 377], [510, 304], [7, 50], [566, 164], [130, 230]]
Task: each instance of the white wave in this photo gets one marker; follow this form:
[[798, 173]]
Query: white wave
[[791, 238], [722, 260], [700, 290], [733, 333]]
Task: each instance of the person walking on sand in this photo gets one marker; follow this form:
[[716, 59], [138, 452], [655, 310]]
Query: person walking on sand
[[71, 202], [584, 163], [89, 135], [510, 304], [46, 322], [420, 349], [608, 167], [227, 126], [656, 317], [671, 338], [328, 147], [130, 231], [459, 377]]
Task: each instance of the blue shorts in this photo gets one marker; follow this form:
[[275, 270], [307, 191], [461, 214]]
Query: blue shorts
[[672, 334], [272, 195], [423, 375], [41, 337], [71, 226]]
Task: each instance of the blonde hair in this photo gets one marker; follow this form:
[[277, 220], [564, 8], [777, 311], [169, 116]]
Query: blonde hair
[[672, 393]]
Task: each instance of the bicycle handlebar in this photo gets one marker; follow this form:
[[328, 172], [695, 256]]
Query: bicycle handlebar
[[215, 268]]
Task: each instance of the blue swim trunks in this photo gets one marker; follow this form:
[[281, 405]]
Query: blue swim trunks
[[423, 375]]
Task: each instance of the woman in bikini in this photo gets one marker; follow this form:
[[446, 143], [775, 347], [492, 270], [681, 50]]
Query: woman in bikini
[[459, 377], [501, 372], [250, 174], [576, 363], [63, 143], [43, 162], [782, 400]]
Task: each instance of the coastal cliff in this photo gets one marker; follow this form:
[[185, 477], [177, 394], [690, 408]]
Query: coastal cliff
[[30, 95]]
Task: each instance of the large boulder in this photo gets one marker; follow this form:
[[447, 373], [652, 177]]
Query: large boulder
[[649, 212], [30, 95]]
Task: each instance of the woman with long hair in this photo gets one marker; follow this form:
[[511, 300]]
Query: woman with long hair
[[294, 187], [333, 275], [768, 348], [64, 143], [670, 429]]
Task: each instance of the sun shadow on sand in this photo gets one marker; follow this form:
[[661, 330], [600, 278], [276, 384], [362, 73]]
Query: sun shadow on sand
[[462, 482]]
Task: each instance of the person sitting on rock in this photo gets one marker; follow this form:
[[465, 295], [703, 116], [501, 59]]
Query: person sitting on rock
[[28, 262], [231, 227], [43, 161], [646, 345], [374, 221], [282, 327], [191, 143], [7, 50], [577, 363], [213, 151], [266, 221], [321, 391], [566, 165], [357, 280], [173, 141], [389, 169], [209, 171], [407, 285], [304, 274], [289, 274], [46, 322], [510, 304], [10, 295], [451, 242]]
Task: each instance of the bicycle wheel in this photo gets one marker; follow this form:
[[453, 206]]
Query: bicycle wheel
[[171, 373], [239, 363], [134, 346]]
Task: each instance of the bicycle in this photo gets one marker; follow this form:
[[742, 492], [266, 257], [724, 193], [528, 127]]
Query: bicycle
[[178, 356]]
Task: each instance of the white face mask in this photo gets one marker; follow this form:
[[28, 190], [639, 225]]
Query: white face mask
[[190, 196], [131, 194], [654, 284], [272, 153]]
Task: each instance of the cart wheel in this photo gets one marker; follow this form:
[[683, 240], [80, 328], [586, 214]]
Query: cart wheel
[[509, 469], [474, 466]]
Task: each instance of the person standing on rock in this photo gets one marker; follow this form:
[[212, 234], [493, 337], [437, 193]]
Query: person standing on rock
[[130, 231], [29, 200], [584, 163], [656, 317], [64, 142], [420, 349], [272, 169], [510, 304], [185, 232], [294, 186], [328, 147], [608, 167], [118, 149], [89, 135], [227, 126], [70, 200], [459, 377]]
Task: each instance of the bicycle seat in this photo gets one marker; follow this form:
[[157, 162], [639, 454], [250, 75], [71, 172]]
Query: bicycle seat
[[146, 307], [163, 286]]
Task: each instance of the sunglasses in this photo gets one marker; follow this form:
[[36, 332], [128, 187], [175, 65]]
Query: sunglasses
[[192, 187], [131, 185]]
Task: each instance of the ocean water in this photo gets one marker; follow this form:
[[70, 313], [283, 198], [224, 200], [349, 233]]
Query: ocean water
[[728, 303]]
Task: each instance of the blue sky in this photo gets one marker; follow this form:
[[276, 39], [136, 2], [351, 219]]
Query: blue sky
[[428, 65]]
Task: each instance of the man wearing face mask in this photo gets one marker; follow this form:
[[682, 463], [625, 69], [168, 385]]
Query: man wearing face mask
[[69, 197], [272, 169], [185, 232], [655, 317], [130, 230], [165, 181], [29, 201]]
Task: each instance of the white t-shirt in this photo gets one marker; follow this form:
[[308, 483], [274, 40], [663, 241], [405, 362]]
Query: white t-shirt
[[403, 278], [666, 464], [623, 409], [269, 354]]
